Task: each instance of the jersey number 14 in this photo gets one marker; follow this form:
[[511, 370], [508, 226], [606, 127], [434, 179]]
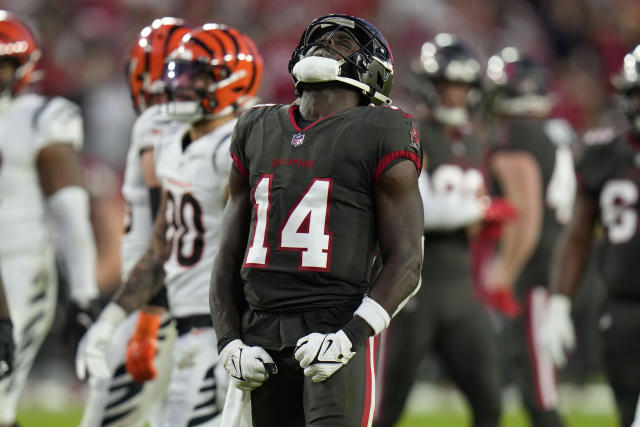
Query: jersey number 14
[[304, 229]]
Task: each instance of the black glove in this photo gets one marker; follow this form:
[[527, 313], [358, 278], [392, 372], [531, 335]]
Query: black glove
[[79, 318], [7, 347]]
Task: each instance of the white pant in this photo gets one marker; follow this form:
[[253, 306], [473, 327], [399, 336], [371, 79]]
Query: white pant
[[198, 382], [31, 288], [120, 401]]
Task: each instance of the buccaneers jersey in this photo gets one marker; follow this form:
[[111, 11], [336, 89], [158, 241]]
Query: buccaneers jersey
[[195, 176], [146, 131], [313, 230], [452, 166], [548, 142], [29, 124], [609, 172]]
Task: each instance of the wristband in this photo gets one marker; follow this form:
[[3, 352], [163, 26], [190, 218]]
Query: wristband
[[374, 314]]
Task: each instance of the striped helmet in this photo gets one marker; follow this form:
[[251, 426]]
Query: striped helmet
[[213, 72], [147, 57], [18, 44]]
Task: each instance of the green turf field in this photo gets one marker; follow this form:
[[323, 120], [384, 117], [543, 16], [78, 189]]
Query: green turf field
[[39, 418]]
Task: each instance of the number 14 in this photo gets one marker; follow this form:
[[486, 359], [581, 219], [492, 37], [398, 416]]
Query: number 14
[[304, 230]]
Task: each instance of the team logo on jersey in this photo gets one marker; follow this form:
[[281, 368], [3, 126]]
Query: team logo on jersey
[[415, 138], [297, 139]]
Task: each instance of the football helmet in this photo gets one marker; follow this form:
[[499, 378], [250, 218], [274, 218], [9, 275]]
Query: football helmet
[[516, 84], [215, 70], [18, 45], [146, 60], [369, 69], [627, 84], [447, 59]]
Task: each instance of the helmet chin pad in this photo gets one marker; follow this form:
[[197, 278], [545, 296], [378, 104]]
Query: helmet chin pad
[[317, 69]]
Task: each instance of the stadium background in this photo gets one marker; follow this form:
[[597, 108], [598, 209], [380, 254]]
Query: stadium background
[[85, 45]]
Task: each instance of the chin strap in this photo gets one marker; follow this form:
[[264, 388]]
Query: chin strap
[[317, 69]]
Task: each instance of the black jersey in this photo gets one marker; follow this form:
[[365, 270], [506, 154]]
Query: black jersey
[[542, 139], [609, 172], [313, 231], [452, 165]]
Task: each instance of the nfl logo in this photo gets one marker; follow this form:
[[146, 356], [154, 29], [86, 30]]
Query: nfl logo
[[297, 139]]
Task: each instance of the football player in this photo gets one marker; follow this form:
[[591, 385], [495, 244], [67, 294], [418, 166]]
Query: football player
[[40, 179], [316, 186], [445, 316], [212, 73], [609, 179], [126, 398], [7, 346], [531, 165]]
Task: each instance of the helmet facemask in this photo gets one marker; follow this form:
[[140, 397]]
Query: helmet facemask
[[627, 84]]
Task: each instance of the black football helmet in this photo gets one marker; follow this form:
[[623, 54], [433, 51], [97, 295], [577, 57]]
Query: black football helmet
[[627, 84], [516, 84], [370, 69], [446, 58]]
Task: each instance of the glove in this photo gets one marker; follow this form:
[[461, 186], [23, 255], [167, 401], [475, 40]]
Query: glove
[[557, 336], [7, 347], [78, 318], [497, 213], [91, 356], [249, 366], [143, 347], [321, 355], [502, 300]]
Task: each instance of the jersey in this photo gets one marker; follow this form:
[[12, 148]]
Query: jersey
[[548, 142], [609, 172], [195, 176], [30, 124], [313, 231], [452, 165], [138, 223]]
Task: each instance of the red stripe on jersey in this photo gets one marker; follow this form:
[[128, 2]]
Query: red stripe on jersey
[[403, 154], [295, 124], [370, 382], [238, 164]]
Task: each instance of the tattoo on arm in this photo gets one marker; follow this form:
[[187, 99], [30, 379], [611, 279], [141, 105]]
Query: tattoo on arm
[[147, 276]]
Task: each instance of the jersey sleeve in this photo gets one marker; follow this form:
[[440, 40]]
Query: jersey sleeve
[[592, 167], [238, 142], [59, 121], [398, 140], [147, 130]]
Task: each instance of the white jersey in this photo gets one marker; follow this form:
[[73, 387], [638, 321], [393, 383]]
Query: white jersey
[[196, 179], [29, 124], [138, 227]]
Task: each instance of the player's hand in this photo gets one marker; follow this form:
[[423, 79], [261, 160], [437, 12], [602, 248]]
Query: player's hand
[[321, 355], [501, 299], [496, 215], [557, 336], [7, 347], [91, 356], [79, 317], [143, 347], [249, 366]]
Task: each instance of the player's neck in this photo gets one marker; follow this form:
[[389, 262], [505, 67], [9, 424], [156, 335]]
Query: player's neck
[[316, 104], [203, 127]]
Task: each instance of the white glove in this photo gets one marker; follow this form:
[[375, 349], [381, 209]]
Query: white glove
[[249, 366], [557, 336], [91, 356], [321, 355]]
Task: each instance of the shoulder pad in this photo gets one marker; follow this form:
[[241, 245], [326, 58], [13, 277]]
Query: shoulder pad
[[59, 120], [559, 132], [600, 136]]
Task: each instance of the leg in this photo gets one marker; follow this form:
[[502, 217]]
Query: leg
[[31, 288], [621, 355], [534, 372], [192, 397], [468, 352], [402, 347]]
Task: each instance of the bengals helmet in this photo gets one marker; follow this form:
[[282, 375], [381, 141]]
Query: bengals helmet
[[369, 69], [213, 72], [146, 60], [18, 45], [516, 84], [627, 84]]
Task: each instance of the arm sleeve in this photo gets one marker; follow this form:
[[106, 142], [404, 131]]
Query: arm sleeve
[[69, 208]]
